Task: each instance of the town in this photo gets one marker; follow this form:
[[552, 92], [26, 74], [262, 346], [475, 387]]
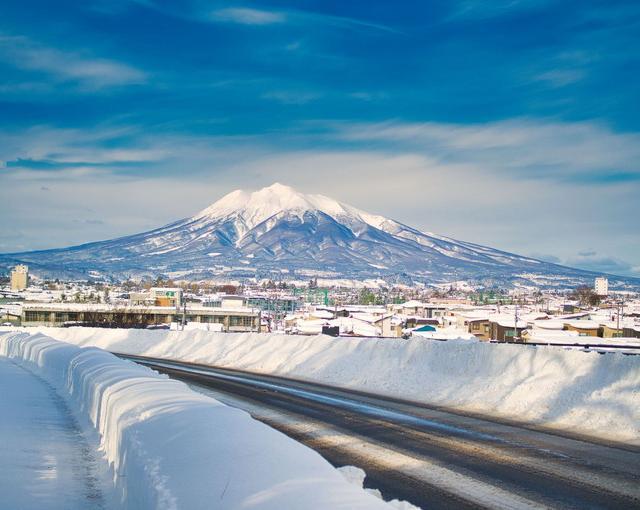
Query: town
[[588, 317]]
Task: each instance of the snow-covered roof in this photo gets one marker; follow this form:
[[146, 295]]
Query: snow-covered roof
[[321, 314], [549, 324], [544, 334], [475, 315], [413, 303], [366, 317], [350, 325], [507, 321], [572, 315], [584, 324]]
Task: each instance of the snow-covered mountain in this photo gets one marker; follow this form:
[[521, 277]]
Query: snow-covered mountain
[[278, 231]]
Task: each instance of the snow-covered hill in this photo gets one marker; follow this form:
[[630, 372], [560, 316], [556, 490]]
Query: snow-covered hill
[[280, 231]]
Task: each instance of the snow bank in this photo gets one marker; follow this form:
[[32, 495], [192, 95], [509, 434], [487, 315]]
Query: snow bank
[[171, 448], [590, 393]]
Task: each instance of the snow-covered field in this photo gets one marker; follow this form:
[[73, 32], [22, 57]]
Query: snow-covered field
[[594, 394], [171, 448]]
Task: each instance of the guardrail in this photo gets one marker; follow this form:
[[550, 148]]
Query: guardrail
[[589, 346]]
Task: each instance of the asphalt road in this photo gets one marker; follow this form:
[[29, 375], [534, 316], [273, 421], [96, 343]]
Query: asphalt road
[[431, 457]]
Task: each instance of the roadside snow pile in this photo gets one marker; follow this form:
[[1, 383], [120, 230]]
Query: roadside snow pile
[[171, 448], [594, 394]]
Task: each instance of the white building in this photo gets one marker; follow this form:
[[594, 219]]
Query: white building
[[19, 277], [601, 286]]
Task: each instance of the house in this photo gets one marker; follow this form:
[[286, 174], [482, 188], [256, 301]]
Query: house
[[390, 326], [350, 326], [631, 331], [412, 321], [612, 331], [549, 336], [412, 307], [480, 328], [419, 309], [319, 314], [584, 327], [502, 329], [547, 324], [387, 324]]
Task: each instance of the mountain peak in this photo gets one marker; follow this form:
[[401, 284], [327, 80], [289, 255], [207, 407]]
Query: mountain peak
[[252, 208], [255, 207]]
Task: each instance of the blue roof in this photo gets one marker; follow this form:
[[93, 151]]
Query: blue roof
[[426, 327]]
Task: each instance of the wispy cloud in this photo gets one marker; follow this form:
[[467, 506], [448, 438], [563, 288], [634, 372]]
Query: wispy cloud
[[561, 77], [587, 152], [244, 15], [43, 148], [479, 9], [595, 261], [247, 16], [291, 97], [591, 260], [87, 72], [341, 21]]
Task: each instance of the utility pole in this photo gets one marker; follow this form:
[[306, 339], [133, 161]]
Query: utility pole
[[515, 329], [620, 311]]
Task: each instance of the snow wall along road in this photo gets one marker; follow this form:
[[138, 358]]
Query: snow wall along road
[[585, 392], [171, 448]]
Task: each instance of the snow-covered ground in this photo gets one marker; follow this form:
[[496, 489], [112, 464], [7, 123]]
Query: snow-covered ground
[[168, 447], [595, 394]]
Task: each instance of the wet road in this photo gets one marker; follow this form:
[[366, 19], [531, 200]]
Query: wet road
[[45, 462], [431, 457]]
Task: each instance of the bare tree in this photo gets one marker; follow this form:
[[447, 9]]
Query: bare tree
[[586, 296]]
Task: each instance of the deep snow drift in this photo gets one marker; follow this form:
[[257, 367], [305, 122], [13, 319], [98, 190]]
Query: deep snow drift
[[171, 448], [594, 394]]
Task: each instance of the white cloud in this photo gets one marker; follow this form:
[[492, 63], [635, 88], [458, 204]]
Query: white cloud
[[291, 97], [561, 77], [594, 261], [76, 146], [258, 17], [522, 147], [481, 10], [247, 16], [88, 72]]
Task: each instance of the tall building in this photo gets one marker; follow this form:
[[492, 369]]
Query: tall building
[[601, 286], [19, 277]]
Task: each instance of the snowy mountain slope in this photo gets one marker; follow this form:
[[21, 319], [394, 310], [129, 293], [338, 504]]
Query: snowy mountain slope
[[278, 230]]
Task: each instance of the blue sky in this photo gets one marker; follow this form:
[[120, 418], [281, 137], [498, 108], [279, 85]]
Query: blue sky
[[514, 124]]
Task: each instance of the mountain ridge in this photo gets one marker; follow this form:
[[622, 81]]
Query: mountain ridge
[[279, 232]]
